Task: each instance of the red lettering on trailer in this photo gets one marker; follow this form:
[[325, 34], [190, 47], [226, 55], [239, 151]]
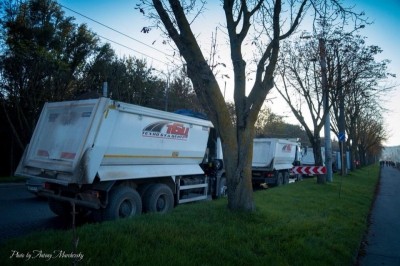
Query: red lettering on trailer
[[166, 130], [177, 129]]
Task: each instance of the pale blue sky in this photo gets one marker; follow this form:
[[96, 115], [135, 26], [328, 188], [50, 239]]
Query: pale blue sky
[[384, 32], [121, 15]]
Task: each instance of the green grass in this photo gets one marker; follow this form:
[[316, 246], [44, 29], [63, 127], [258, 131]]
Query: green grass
[[12, 179], [299, 224]]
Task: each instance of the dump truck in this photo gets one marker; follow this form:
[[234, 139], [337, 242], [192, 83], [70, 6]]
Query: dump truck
[[116, 159], [308, 158], [273, 160]]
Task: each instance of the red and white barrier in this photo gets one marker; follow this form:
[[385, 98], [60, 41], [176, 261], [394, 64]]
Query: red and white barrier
[[309, 170]]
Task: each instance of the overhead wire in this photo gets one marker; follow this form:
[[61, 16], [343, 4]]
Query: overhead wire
[[127, 36], [124, 34], [129, 48]]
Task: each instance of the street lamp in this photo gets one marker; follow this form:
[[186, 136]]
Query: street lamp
[[225, 76]]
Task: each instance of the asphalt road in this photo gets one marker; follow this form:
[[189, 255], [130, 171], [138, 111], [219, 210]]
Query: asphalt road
[[23, 213], [383, 239]]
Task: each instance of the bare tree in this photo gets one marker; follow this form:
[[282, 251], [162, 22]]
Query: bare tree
[[362, 108], [351, 70], [265, 24], [300, 87], [358, 77], [237, 139], [371, 134]]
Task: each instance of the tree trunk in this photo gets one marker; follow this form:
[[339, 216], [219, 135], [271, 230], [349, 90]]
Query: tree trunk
[[362, 156], [238, 171], [321, 179], [237, 142]]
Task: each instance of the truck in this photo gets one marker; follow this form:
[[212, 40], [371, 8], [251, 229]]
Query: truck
[[308, 156], [308, 159], [273, 160], [116, 159]]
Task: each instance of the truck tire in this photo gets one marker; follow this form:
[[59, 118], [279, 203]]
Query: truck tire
[[158, 198], [123, 202], [142, 189], [279, 179], [286, 178], [222, 188]]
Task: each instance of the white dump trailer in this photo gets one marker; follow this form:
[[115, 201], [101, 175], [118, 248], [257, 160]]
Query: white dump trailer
[[118, 159], [273, 160], [308, 158]]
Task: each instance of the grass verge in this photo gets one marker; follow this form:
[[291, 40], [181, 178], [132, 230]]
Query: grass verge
[[12, 179], [300, 224]]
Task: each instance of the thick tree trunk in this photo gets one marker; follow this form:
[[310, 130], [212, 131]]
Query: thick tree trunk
[[237, 142], [321, 179], [362, 155], [238, 171]]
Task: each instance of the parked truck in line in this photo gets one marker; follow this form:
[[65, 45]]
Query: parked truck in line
[[273, 160], [117, 159], [308, 158]]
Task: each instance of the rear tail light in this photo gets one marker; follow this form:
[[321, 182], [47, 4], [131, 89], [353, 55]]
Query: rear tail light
[[268, 174], [47, 185]]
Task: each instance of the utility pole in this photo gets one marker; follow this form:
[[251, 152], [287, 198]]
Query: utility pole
[[105, 89], [327, 125], [342, 132]]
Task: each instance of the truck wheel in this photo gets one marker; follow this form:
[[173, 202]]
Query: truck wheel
[[279, 179], [123, 202], [159, 198], [222, 188], [62, 209], [142, 189], [285, 178]]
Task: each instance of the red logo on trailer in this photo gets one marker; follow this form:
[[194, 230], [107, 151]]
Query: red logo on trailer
[[287, 148], [178, 129], [166, 130]]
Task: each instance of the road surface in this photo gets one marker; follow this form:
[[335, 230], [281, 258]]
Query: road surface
[[383, 239], [23, 213]]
